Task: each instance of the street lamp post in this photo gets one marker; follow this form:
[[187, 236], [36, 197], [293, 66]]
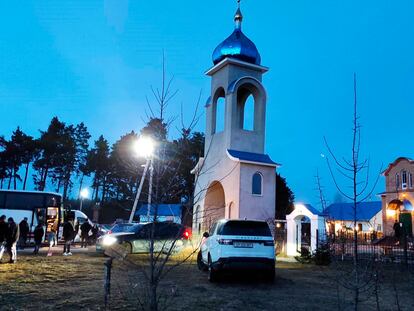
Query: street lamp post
[[144, 147], [151, 171], [83, 195]]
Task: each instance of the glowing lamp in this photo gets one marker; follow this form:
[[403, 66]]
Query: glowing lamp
[[84, 193], [390, 213], [144, 147]]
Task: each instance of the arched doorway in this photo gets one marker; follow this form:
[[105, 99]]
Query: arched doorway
[[214, 204], [305, 233], [401, 211]]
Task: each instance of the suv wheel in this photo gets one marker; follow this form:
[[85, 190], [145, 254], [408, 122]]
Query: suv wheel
[[128, 247], [270, 277], [200, 264], [213, 274]]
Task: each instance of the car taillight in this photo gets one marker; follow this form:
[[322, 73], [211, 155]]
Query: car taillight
[[269, 243], [187, 234], [225, 241]]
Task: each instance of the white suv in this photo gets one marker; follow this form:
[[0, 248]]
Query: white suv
[[237, 245]]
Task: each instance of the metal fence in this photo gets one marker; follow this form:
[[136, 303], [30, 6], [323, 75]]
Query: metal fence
[[385, 249], [280, 236]]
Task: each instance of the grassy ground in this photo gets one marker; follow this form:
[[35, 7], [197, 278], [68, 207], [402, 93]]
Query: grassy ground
[[76, 283]]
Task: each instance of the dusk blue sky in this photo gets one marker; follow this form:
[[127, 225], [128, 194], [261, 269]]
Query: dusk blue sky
[[94, 61]]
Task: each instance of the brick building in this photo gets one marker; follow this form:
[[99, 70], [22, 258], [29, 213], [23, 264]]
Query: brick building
[[398, 198]]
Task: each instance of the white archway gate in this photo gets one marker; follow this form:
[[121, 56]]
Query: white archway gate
[[294, 228]]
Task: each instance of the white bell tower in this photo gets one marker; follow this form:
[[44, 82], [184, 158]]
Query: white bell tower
[[235, 179]]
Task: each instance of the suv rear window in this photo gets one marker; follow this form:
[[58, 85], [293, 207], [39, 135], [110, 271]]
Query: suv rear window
[[251, 228], [125, 228]]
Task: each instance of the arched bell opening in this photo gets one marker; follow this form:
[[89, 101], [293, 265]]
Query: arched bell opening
[[219, 111], [250, 106]]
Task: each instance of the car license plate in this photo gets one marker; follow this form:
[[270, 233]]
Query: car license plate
[[243, 244]]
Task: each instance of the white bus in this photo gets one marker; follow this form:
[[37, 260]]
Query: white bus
[[37, 206]]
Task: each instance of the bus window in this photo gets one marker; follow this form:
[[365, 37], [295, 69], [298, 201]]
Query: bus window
[[52, 218], [52, 212]]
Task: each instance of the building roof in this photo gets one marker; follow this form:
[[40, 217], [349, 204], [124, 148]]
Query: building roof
[[163, 210], [391, 165], [344, 211], [313, 210], [250, 157]]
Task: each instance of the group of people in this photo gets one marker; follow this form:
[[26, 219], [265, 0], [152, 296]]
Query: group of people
[[14, 235]]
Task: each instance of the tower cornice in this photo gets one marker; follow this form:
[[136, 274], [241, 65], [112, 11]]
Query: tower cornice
[[237, 62]]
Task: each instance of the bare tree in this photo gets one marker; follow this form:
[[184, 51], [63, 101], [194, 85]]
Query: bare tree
[[319, 189], [145, 274], [356, 172]]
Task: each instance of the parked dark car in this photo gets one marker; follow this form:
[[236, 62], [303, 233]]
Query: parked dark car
[[135, 237]]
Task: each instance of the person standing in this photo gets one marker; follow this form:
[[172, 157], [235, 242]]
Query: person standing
[[95, 231], [3, 233], [38, 237], [68, 233], [52, 237], [85, 228], [397, 230], [77, 227], [24, 231], [12, 237]]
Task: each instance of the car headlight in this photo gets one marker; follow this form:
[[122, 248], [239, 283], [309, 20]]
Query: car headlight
[[108, 240]]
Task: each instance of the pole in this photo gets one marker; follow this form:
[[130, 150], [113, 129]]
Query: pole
[[107, 286], [81, 202], [141, 183], [150, 190]]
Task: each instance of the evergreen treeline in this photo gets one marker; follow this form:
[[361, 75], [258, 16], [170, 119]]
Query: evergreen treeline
[[62, 159]]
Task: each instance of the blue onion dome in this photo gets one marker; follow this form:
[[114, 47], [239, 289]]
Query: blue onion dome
[[237, 45]]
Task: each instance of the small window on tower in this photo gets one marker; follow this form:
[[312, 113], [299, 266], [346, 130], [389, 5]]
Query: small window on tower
[[404, 180], [257, 184], [397, 181]]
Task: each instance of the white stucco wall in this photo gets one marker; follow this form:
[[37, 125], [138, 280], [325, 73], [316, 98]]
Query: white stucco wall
[[257, 206]]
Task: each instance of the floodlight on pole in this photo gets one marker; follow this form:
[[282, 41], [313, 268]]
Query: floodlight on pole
[[143, 147], [83, 195]]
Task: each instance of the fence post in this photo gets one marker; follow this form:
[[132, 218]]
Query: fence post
[[317, 239], [405, 250], [107, 286]]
